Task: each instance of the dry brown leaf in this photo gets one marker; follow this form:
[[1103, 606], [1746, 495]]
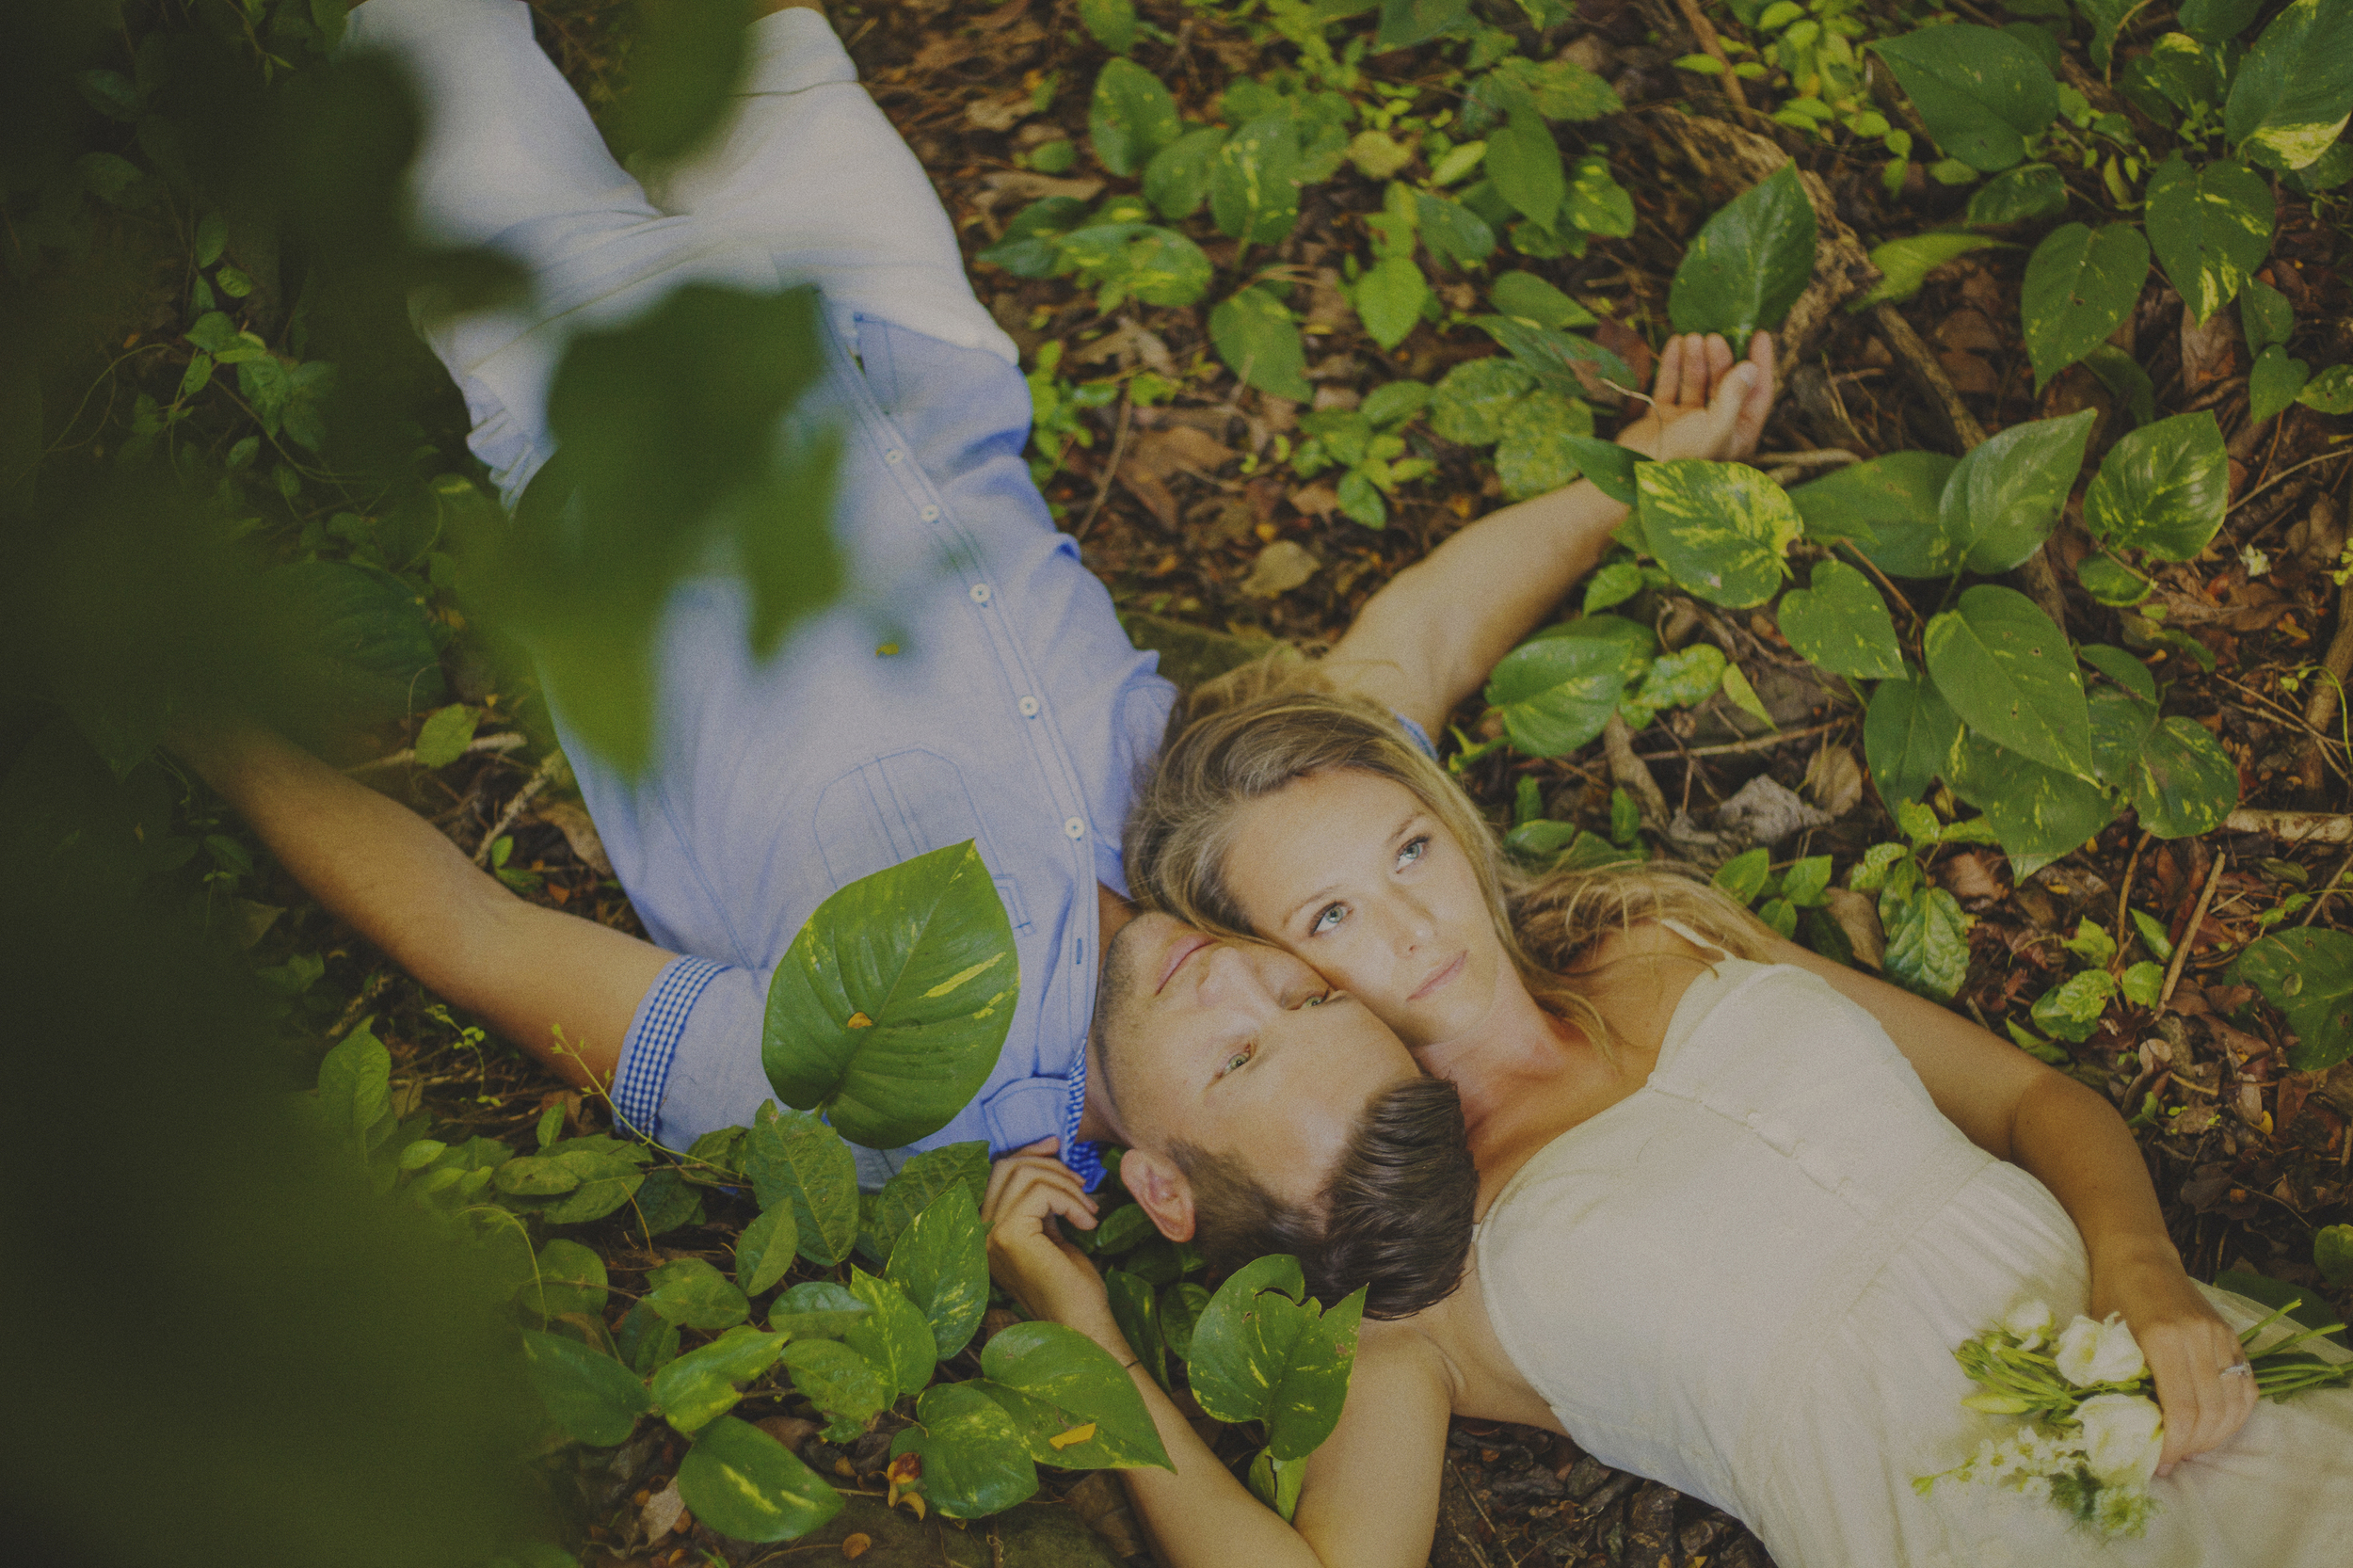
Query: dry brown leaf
[[856, 1545], [1102, 1505], [661, 1512], [1858, 916], [1972, 875], [1155, 455], [1131, 344], [1280, 568], [1315, 501], [1628, 344], [2210, 353], [1833, 780], [998, 114], [1968, 329], [570, 818], [1967, 372]]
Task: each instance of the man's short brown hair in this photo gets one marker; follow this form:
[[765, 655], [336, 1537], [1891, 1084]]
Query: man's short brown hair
[[1396, 1215]]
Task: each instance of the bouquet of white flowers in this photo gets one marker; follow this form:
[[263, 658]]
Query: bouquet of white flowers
[[2092, 1431]]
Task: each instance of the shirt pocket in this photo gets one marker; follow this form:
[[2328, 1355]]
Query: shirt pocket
[[899, 806]]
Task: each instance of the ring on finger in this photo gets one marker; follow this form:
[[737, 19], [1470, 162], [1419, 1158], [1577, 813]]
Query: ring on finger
[[2238, 1369]]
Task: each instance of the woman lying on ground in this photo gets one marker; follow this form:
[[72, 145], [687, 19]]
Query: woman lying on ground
[[1737, 1203]]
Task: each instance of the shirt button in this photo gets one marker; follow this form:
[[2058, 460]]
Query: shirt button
[[1029, 707], [1076, 828], [893, 455], [930, 514], [980, 593]]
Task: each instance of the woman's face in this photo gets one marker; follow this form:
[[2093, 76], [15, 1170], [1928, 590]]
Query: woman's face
[[1350, 871]]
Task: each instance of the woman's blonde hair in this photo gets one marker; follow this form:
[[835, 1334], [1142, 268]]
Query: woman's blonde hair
[[1251, 732]]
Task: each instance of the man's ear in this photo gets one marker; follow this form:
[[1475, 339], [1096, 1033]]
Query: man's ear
[[1156, 1183]]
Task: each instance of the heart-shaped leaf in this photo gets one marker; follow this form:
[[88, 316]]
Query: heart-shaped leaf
[[1535, 454], [914, 1185], [1841, 623], [2274, 383], [1469, 401], [941, 1263], [2081, 284], [1054, 1379], [2162, 488], [2211, 228], [1721, 530], [793, 1159], [2294, 90], [1983, 94], [1131, 118], [568, 1278], [1259, 342], [1254, 180], [1263, 1354], [2004, 498], [1556, 693], [2010, 675], [1389, 298], [2308, 975], [1749, 263], [1908, 733], [835, 1378], [975, 1462], [744, 1483], [894, 1334], [2178, 777], [1889, 506], [888, 1010], [692, 1294], [591, 1397]]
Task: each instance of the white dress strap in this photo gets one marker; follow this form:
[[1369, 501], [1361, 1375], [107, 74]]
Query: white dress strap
[[1692, 937]]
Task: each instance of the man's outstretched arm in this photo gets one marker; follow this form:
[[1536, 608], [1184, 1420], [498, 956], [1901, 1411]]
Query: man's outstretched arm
[[1430, 637], [390, 876]]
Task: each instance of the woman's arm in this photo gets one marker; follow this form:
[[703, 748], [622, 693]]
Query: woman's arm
[[389, 873], [1429, 638], [2070, 1139], [1370, 1493]]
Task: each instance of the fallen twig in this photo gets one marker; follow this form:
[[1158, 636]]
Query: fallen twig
[[2189, 935], [539, 781], [2321, 897], [2299, 468], [1704, 34], [1632, 773], [1111, 467], [2337, 663], [504, 741], [2292, 827], [1758, 743]]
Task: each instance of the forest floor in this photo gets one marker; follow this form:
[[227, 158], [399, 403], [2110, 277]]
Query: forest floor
[[1182, 510]]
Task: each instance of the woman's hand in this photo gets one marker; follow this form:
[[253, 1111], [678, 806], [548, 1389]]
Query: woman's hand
[[2186, 1344], [1028, 1191], [1703, 405]]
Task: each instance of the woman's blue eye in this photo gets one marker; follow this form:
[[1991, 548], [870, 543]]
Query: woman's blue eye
[[1414, 849], [1329, 920], [1234, 1062]]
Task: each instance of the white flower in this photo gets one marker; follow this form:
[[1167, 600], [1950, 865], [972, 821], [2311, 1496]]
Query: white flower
[[2090, 1352], [2028, 1323], [2124, 1435], [2036, 1489]]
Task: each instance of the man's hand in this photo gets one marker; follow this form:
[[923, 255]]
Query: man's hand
[[1703, 405], [2186, 1344], [1028, 1191]]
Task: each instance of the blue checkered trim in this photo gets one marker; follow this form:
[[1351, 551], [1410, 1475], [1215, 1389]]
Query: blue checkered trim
[[645, 1073], [1085, 1159]]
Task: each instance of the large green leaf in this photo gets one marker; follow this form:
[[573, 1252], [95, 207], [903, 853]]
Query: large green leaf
[[2211, 228], [1525, 163], [2308, 975], [975, 1462], [1889, 505], [835, 1378], [2080, 286], [1983, 94], [888, 1010], [1841, 623], [744, 1483], [2274, 382], [1556, 693], [914, 1185], [1749, 263], [2177, 775], [2037, 813], [764, 1250], [941, 1264], [2162, 488], [1908, 733], [568, 1278], [1131, 118], [1259, 342], [367, 641], [894, 1334], [2004, 498], [816, 1309], [1254, 180], [1389, 298], [1469, 401], [794, 1158], [2217, 21], [1055, 1381], [1176, 181], [1721, 530], [1561, 360], [1927, 936], [2009, 674], [2294, 90], [1263, 1354], [1536, 452], [591, 1397], [692, 1294], [700, 1385]]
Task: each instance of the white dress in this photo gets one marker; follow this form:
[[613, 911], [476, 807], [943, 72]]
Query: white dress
[[1747, 1279]]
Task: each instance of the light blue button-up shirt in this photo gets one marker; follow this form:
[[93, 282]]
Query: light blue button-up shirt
[[1010, 709]]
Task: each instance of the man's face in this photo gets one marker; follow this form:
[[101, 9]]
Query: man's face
[[1238, 1050]]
